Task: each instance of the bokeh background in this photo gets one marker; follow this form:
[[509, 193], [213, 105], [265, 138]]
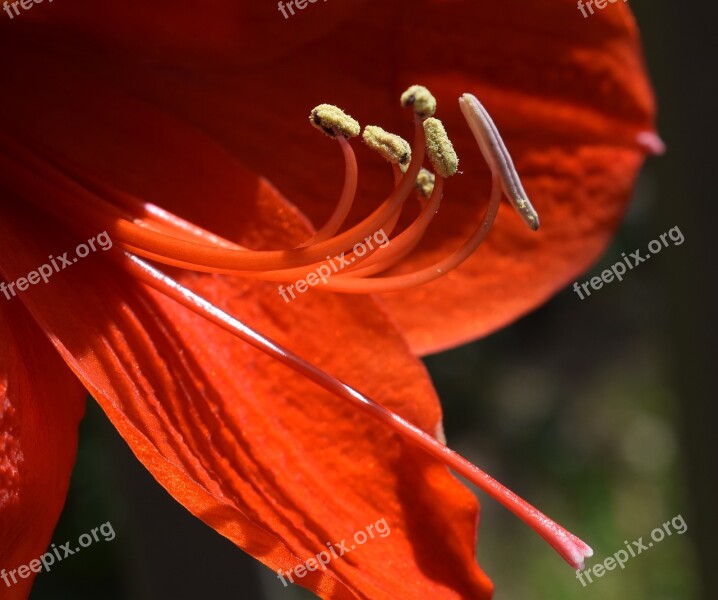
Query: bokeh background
[[599, 411]]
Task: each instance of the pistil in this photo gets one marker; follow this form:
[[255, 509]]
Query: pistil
[[570, 547]]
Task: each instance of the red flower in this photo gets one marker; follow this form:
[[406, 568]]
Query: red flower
[[189, 108]]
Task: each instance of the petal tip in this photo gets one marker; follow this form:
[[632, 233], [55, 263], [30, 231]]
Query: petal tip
[[651, 143]]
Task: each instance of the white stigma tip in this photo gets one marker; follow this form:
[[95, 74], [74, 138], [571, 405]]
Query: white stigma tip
[[577, 554]]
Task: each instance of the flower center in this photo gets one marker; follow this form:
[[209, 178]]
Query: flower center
[[147, 230]]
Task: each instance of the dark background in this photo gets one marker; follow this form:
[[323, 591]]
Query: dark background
[[599, 411]]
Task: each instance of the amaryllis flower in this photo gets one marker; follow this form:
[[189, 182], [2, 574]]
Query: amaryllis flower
[[179, 131]]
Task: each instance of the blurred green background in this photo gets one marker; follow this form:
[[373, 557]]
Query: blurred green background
[[601, 411]]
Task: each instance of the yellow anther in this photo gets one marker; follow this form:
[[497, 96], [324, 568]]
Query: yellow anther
[[420, 99], [334, 121], [439, 148], [425, 182], [392, 147]]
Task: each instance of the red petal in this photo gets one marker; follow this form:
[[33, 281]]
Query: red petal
[[41, 404]]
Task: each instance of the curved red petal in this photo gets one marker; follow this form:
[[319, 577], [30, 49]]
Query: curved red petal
[[41, 404]]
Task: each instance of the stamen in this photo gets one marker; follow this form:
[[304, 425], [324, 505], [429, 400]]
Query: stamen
[[391, 147], [63, 202], [346, 200], [425, 182], [397, 151], [380, 285], [398, 172], [420, 99], [402, 245], [439, 148], [333, 121], [498, 157], [570, 547]]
